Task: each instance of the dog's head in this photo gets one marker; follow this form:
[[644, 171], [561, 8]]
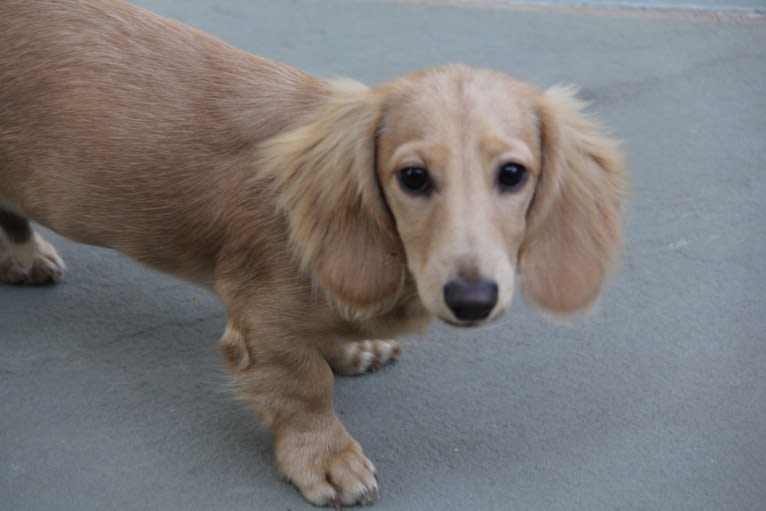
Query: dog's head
[[461, 178]]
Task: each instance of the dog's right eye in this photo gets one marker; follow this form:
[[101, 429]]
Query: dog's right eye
[[415, 180]]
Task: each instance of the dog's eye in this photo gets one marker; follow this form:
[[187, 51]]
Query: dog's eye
[[415, 180], [511, 177]]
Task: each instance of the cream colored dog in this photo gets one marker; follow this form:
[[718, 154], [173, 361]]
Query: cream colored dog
[[321, 212]]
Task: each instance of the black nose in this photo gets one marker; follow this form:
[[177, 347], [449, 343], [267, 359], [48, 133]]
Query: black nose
[[470, 300]]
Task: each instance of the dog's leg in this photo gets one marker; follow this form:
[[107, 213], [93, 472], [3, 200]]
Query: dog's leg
[[25, 257], [352, 358], [291, 388]]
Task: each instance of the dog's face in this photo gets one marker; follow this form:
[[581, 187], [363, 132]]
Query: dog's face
[[458, 160], [460, 178]]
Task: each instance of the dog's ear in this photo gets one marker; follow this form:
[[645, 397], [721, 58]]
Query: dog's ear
[[574, 222], [325, 180]]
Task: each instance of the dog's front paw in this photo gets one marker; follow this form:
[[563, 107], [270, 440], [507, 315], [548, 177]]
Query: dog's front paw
[[33, 262], [355, 358], [328, 468]]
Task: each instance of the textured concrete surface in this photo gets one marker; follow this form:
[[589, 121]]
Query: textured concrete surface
[[705, 5], [112, 396]]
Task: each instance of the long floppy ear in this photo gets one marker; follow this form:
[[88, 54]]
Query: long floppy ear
[[574, 223], [325, 181]]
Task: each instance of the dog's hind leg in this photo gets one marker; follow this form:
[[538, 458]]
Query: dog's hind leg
[[25, 257], [352, 358]]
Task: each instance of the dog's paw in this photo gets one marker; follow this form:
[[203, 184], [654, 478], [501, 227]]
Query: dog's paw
[[355, 358], [335, 475], [348, 478], [34, 262]]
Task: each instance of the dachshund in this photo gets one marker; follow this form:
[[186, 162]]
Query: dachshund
[[329, 217]]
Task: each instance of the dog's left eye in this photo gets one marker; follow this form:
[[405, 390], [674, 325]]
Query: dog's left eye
[[512, 177]]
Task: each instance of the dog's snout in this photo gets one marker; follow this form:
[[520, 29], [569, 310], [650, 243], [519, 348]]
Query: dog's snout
[[470, 300]]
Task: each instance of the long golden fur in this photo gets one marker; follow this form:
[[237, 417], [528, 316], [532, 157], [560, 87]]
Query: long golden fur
[[286, 195]]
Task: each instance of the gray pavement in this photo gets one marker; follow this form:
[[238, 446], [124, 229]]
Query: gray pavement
[[745, 6], [112, 396]]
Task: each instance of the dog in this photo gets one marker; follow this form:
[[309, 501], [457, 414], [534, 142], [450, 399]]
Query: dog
[[327, 215]]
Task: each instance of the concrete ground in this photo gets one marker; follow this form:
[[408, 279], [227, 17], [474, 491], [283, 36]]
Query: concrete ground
[[112, 396], [743, 6]]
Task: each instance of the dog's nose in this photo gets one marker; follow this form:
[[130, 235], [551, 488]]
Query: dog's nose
[[470, 300]]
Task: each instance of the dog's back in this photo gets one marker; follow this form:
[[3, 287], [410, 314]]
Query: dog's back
[[130, 119]]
